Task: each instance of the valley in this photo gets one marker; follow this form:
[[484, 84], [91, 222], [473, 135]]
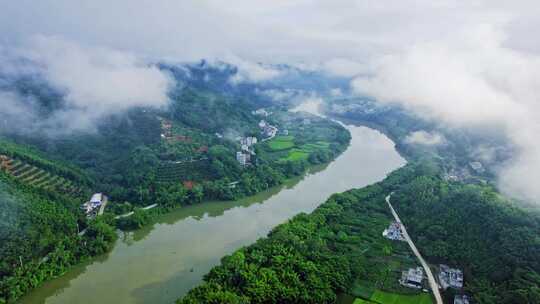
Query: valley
[[162, 261]]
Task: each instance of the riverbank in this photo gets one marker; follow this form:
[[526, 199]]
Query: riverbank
[[161, 262]]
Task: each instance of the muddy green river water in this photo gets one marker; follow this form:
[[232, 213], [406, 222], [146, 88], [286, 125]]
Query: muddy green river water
[[161, 262]]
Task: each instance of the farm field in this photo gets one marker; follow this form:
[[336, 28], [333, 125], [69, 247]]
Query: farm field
[[383, 297], [281, 143], [289, 151], [39, 178]]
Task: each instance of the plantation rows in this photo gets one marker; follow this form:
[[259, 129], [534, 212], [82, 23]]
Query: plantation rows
[[175, 172], [36, 177]]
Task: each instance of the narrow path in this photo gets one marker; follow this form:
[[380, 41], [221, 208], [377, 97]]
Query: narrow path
[[132, 212], [431, 279], [103, 205]]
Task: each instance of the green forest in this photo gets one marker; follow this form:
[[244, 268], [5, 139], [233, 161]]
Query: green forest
[[337, 248], [39, 236], [171, 157]]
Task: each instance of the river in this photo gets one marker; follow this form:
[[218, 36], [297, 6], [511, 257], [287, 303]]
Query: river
[[161, 262]]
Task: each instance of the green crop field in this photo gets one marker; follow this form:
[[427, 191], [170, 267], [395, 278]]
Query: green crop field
[[383, 297], [296, 154], [281, 143]]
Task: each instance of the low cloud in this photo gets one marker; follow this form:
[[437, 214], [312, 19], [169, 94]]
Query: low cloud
[[425, 138], [252, 72], [470, 80], [343, 67], [93, 81]]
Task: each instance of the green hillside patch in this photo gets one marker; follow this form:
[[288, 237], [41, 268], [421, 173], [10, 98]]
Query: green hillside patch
[[281, 143], [383, 297], [296, 155]]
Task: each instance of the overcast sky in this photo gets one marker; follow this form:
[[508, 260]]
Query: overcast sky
[[465, 63]]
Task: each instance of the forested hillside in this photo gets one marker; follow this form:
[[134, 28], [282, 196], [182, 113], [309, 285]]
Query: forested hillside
[[497, 243], [172, 156], [39, 226], [312, 258]]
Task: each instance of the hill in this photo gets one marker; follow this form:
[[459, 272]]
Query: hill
[[339, 248], [40, 218]]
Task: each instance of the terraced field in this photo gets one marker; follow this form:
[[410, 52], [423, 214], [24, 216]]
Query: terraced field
[[36, 177], [195, 170]]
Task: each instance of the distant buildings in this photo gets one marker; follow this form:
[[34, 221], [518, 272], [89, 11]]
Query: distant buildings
[[5, 163], [477, 167], [393, 232], [450, 277], [246, 150], [248, 141], [461, 299], [267, 130], [261, 112], [166, 128], [412, 278]]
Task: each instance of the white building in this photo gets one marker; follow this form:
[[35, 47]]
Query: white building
[[261, 112], [393, 232], [412, 278], [91, 207], [248, 141], [450, 277]]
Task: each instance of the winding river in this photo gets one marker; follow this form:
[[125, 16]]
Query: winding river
[[161, 262]]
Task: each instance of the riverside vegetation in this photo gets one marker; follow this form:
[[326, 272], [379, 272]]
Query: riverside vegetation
[[339, 248], [48, 178]]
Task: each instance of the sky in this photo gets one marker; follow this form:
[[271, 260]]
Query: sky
[[463, 63]]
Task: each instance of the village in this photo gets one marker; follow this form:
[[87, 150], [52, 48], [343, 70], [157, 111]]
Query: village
[[267, 131], [416, 279], [98, 201]]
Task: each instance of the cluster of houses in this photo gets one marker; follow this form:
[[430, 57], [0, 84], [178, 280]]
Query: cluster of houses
[[267, 130], [414, 277], [448, 278], [246, 150], [393, 232], [94, 205]]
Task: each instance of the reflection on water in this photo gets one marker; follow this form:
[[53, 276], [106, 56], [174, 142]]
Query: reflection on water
[[161, 262]]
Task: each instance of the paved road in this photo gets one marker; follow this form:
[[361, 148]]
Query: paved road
[[431, 278]]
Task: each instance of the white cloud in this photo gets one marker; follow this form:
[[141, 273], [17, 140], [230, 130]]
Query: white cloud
[[251, 72], [343, 67], [96, 81], [467, 63], [471, 80], [99, 78], [425, 138]]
